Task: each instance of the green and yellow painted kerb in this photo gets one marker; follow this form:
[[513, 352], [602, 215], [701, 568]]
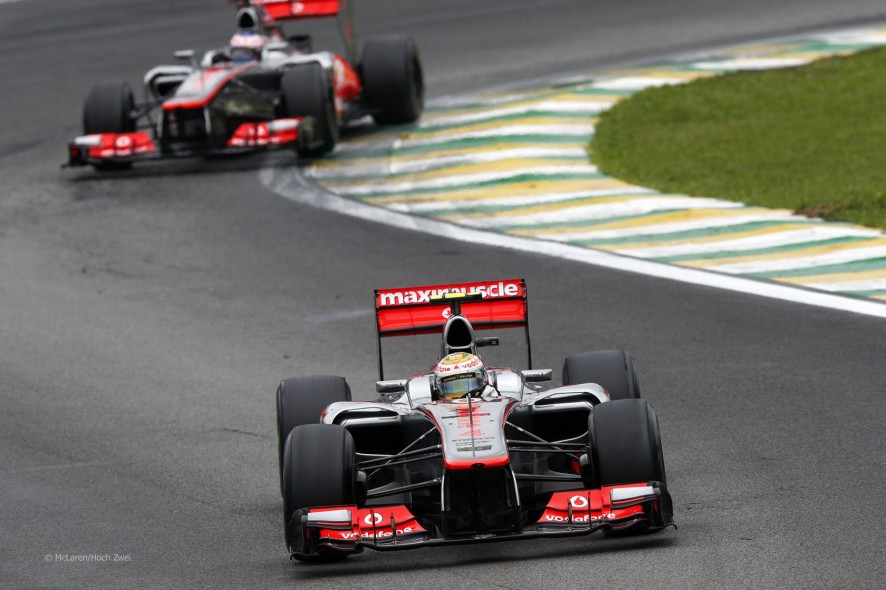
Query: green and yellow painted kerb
[[515, 162]]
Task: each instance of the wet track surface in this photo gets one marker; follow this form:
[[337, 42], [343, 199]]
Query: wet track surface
[[146, 318]]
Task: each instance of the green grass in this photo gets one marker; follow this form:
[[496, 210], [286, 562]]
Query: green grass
[[811, 139]]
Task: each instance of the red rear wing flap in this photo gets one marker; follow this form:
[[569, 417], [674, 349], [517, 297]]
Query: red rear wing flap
[[411, 310], [282, 10]]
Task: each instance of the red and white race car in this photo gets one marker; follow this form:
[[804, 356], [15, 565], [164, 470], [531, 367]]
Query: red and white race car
[[282, 95], [416, 468]]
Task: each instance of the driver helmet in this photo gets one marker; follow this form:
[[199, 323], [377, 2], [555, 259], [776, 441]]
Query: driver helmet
[[246, 46], [458, 375]]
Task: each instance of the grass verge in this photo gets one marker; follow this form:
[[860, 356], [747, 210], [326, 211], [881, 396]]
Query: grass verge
[[811, 139]]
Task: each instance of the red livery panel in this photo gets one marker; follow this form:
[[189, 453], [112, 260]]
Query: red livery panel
[[105, 146], [588, 506], [275, 132], [347, 83], [373, 523]]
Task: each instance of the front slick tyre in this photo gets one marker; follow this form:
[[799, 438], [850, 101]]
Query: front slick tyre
[[625, 447], [301, 400], [108, 109], [307, 93], [318, 470]]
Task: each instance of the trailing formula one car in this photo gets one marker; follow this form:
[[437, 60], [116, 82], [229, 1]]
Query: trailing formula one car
[[467, 453], [264, 91]]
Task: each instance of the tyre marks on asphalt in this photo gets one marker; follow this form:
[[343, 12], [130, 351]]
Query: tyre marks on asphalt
[[515, 162]]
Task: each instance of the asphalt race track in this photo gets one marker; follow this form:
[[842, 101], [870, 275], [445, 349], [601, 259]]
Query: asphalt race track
[[146, 318]]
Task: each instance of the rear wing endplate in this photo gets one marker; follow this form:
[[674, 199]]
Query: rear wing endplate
[[414, 311]]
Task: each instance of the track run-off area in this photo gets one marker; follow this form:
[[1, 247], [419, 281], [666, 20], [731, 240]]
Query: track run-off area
[[515, 162]]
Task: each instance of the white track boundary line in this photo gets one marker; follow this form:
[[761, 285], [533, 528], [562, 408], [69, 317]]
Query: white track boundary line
[[289, 184]]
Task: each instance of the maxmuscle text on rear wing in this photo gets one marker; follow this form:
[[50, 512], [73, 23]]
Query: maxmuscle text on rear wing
[[413, 310]]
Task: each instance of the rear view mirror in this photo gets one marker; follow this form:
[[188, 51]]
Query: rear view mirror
[[392, 386], [184, 54], [277, 46], [486, 341], [537, 375]]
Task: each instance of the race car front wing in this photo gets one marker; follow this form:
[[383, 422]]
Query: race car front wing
[[344, 530], [110, 148]]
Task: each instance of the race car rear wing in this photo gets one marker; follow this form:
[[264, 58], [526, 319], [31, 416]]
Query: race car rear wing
[[282, 10], [278, 11], [425, 310]]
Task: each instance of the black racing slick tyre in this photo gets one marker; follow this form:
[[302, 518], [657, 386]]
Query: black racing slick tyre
[[318, 470], [109, 108], [308, 93], [625, 448], [301, 400], [393, 81], [615, 370], [625, 443]]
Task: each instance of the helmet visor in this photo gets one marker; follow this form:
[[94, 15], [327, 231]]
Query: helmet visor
[[243, 54], [455, 386]]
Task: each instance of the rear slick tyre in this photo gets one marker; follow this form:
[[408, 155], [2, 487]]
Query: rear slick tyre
[[614, 370], [301, 400], [393, 81]]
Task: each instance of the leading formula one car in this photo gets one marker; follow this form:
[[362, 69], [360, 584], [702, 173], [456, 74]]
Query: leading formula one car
[[414, 469], [287, 96]]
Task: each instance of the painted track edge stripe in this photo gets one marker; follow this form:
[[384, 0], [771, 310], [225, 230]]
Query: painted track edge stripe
[[295, 187]]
